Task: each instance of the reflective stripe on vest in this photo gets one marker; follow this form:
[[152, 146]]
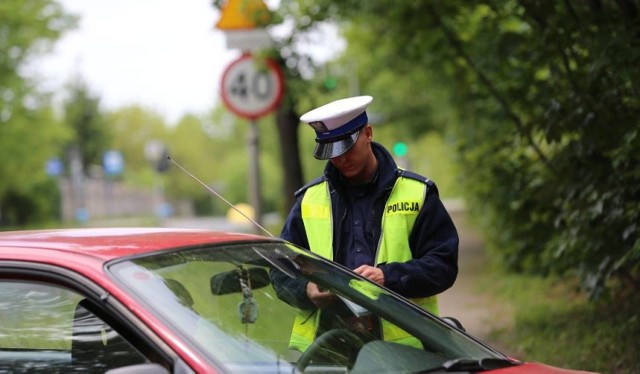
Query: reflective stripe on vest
[[400, 212], [318, 223]]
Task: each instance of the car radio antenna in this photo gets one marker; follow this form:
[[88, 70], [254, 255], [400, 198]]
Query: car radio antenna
[[218, 195]]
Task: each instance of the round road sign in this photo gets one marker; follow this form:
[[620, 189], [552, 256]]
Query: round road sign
[[251, 89]]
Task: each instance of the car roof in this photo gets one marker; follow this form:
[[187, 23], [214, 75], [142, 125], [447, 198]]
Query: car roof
[[105, 244]]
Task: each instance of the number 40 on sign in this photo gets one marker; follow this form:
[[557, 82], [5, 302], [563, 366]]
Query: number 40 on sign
[[252, 88]]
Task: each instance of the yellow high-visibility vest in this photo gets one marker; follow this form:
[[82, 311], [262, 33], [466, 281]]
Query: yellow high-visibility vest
[[400, 213]]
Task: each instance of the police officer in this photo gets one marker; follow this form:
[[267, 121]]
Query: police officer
[[341, 216]]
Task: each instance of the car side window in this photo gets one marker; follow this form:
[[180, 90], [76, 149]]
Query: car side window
[[48, 328]]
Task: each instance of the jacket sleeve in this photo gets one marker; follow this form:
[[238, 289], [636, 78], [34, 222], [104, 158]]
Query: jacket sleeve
[[292, 291], [293, 230], [434, 245]]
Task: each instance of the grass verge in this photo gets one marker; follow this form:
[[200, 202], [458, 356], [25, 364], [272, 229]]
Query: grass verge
[[554, 323]]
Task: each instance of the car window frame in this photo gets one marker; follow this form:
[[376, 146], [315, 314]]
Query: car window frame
[[211, 361], [111, 310]]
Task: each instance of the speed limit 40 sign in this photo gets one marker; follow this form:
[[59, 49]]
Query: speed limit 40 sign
[[251, 88]]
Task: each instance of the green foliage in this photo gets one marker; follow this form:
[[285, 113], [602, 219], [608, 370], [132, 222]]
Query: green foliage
[[27, 29], [542, 103], [598, 336], [82, 113], [27, 141], [29, 132], [132, 128], [201, 154], [560, 188], [433, 156], [235, 169], [214, 148], [38, 203]]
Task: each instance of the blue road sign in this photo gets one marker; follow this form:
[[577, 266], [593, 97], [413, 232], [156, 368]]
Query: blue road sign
[[113, 163], [54, 167]]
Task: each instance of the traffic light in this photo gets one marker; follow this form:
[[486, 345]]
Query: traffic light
[[163, 164], [400, 149], [330, 83]]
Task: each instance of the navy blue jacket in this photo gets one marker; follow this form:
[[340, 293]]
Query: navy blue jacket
[[433, 240]]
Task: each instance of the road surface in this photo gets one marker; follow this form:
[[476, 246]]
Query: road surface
[[477, 310]]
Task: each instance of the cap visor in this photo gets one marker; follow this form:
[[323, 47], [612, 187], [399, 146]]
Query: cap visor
[[325, 151]]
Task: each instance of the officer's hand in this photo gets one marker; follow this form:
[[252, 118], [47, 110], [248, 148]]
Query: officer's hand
[[372, 273], [319, 298]]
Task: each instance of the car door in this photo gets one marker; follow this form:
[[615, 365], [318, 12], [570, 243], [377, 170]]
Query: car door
[[52, 320]]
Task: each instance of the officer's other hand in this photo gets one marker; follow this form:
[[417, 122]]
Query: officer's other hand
[[372, 273], [319, 298]]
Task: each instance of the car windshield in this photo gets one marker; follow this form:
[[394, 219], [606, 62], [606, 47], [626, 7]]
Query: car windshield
[[237, 304]]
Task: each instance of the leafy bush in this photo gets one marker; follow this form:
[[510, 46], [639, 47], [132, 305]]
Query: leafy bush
[[596, 336]]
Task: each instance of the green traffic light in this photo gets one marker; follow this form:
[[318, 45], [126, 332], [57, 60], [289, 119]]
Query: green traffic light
[[330, 83], [400, 149]]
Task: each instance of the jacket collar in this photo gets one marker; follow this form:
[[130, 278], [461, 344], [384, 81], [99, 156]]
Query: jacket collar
[[386, 173]]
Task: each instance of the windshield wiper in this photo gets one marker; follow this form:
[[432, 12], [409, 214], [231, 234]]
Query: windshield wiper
[[469, 365]]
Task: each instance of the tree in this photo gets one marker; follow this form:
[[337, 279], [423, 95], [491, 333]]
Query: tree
[[203, 146], [542, 101], [133, 127], [287, 122], [29, 132], [91, 135]]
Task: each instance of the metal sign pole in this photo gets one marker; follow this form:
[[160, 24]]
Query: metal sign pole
[[254, 169]]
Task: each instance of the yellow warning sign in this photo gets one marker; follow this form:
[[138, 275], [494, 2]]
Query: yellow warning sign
[[243, 14]]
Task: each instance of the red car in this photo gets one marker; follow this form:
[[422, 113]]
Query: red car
[[195, 301]]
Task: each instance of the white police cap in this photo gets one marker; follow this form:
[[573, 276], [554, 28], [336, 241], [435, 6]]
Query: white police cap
[[337, 124]]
